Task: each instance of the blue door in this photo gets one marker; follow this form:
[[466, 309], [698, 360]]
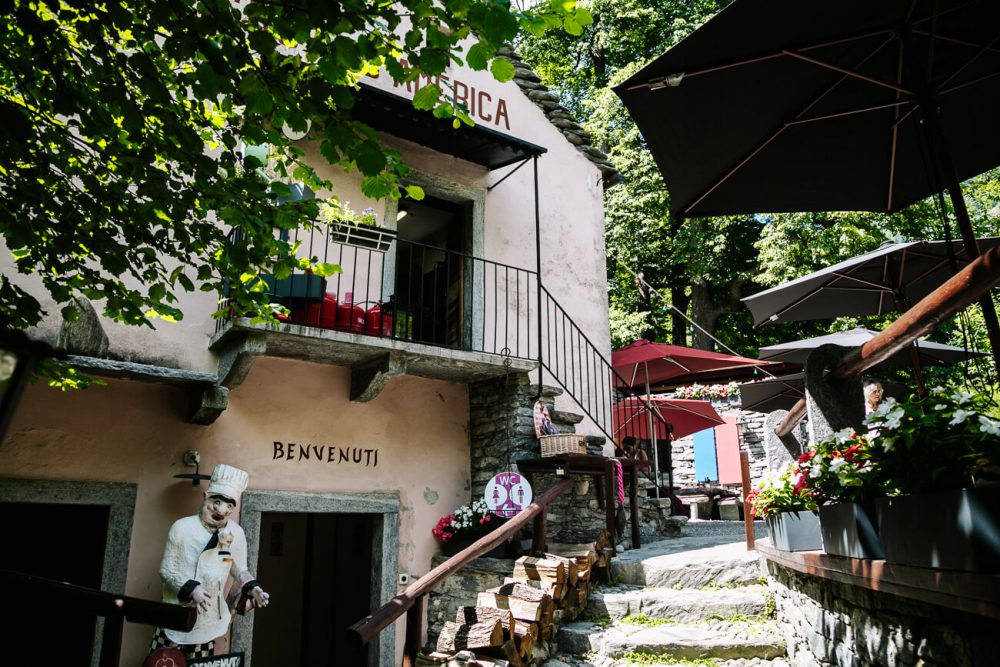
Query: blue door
[[705, 465]]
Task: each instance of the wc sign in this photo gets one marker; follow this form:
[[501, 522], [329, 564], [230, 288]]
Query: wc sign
[[507, 494]]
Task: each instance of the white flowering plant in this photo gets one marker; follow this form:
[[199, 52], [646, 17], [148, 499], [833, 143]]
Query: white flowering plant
[[785, 491], [841, 469], [474, 519], [943, 441]]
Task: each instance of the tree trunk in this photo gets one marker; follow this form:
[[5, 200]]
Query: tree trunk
[[705, 309], [678, 324]]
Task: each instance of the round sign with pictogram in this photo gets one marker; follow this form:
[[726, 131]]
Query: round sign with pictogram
[[507, 494]]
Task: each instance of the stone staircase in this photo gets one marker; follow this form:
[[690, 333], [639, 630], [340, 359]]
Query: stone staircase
[[697, 600]]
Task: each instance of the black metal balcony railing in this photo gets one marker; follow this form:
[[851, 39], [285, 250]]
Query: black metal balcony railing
[[412, 292], [415, 292]]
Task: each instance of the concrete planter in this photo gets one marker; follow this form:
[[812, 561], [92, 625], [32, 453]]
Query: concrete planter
[[951, 530], [795, 531], [460, 542], [849, 531]]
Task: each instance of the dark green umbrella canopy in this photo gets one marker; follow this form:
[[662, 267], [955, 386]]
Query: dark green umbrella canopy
[[817, 105], [887, 279], [930, 354]]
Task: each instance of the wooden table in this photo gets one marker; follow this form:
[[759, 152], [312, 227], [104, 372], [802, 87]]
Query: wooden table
[[601, 467]]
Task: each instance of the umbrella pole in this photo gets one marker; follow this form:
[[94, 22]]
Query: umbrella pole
[[946, 170], [652, 436]]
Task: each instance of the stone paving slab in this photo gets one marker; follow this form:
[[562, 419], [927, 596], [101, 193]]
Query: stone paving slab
[[684, 605], [688, 562], [701, 641]]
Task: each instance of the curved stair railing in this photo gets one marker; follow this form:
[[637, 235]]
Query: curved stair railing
[[413, 600]]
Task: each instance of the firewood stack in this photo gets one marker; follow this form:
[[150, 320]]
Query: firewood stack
[[508, 621]]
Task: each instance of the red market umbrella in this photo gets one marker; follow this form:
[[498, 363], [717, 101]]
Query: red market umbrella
[[672, 417], [644, 362]]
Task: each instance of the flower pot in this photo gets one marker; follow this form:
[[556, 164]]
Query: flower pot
[[848, 530], [297, 286], [362, 236], [795, 531], [460, 542], [951, 530]]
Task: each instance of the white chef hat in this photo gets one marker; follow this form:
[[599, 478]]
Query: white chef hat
[[228, 481]]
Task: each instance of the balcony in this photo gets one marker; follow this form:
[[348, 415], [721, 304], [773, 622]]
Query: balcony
[[398, 307]]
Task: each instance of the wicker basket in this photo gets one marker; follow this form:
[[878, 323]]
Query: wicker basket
[[564, 443]]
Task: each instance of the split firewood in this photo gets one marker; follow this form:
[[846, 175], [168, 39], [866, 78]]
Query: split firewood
[[541, 569], [472, 615], [506, 652], [522, 608], [456, 637], [569, 563], [554, 590], [525, 634]]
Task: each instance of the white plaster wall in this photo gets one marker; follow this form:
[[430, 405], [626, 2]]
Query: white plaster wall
[[131, 432]]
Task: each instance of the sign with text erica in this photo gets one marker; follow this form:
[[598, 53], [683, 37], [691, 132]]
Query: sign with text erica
[[507, 494], [467, 88]]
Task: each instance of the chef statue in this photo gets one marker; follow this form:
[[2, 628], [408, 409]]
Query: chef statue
[[203, 551]]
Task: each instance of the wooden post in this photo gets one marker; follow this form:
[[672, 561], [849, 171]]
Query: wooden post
[[111, 644], [538, 542], [747, 509], [414, 631]]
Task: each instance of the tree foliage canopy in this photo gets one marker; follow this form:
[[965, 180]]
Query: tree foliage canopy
[[122, 128]]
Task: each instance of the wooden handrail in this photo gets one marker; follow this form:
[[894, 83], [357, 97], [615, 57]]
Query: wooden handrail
[[97, 602], [369, 627], [962, 290]]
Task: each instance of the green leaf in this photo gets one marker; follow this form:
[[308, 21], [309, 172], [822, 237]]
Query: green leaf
[[415, 192], [502, 69], [326, 270], [427, 97], [478, 56]]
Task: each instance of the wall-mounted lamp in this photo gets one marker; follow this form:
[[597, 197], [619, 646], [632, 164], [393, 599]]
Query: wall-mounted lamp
[[18, 356], [191, 460]]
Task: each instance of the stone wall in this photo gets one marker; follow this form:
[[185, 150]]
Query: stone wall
[[829, 624], [502, 432]]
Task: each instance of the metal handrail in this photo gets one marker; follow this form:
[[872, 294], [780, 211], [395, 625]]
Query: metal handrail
[[410, 601], [587, 375]]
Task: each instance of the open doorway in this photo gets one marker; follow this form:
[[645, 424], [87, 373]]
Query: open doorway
[[430, 296], [319, 572]]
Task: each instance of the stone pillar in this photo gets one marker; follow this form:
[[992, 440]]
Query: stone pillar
[[782, 450], [831, 407]]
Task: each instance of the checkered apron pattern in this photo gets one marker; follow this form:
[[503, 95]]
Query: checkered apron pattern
[[190, 651]]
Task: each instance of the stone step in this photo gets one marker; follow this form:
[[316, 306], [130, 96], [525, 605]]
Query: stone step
[[688, 562], [734, 529], [720, 640], [567, 660], [563, 417], [683, 605]]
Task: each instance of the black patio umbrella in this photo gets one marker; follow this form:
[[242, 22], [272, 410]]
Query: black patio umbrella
[[930, 354], [784, 391], [777, 393], [785, 105], [890, 278]]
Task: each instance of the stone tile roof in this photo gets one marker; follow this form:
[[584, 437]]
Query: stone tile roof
[[560, 117]]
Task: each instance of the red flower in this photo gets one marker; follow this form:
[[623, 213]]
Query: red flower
[[808, 456]]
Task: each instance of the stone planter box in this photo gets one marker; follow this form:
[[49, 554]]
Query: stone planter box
[[951, 530], [849, 531], [795, 531]]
